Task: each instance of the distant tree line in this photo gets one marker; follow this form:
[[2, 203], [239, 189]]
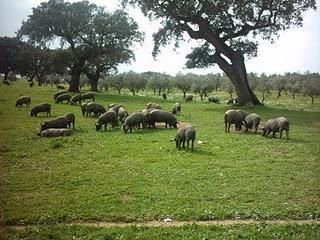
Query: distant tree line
[[307, 84], [54, 66]]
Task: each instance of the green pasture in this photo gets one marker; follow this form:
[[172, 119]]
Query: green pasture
[[260, 231], [112, 176]]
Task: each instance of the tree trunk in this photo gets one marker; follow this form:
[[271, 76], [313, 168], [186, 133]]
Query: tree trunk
[[279, 93], [119, 91], [159, 91], [201, 95], [184, 93], [94, 84], [238, 75], [75, 79], [154, 91], [6, 75]]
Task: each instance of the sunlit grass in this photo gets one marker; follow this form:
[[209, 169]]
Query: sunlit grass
[[112, 176]]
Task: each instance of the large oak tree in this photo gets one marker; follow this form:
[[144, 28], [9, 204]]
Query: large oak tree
[[228, 29], [82, 28], [110, 41]]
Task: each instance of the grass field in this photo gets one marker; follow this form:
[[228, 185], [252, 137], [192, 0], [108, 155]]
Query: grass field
[[112, 176]]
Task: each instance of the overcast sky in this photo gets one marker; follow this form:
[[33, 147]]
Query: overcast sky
[[297, 50]]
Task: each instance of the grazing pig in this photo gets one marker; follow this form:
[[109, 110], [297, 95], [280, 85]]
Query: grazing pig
[[112, 105], [55, 132], [23, 100], [276, 125], [108, 117], [252, 120], [232, 101], [214, 99], [59, 122], [83, 108], [71, 119], [59, 93], [76, 98], [176, 108], [6, 82], [134, 120], [63, 97], [60, 86], [42, 107], [243, 114], [95, 108], [189, 98], [145, 113], [184, 134], [153, 105], [158, 115], [116, 107], [122, 114], [88, 95], [233, 117]]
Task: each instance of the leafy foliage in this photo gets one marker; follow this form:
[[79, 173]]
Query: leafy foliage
[[225, 29], [98, 41], [9, 51]]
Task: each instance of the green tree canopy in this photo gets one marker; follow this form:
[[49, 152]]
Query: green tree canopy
[[311, 86], [9, 53], [226, 28], [98, 40]]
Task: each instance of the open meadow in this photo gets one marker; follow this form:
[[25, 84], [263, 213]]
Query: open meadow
[[110, 176]]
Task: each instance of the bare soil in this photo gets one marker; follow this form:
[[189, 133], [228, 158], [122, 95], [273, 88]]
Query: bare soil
[[179, 125], [175, 223]]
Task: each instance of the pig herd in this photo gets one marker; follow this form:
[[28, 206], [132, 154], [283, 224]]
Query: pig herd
[[144, 118]]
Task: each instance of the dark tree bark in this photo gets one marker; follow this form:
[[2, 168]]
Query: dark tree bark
[[184, 93], [94, 79], [75, 78], [94, 84], [279, 93], [6, 74], [201, 95], [238, 75]]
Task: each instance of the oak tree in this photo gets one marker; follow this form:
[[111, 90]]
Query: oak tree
[[226, 28]]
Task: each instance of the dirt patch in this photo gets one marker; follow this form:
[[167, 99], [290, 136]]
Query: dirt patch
[[126, 197], [230, 222], [182, 124], [316, 124], [179, 125], [278, 151]]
